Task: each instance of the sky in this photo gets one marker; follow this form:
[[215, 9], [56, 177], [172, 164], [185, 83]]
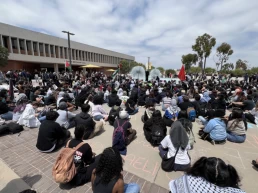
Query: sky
[[163, 30]]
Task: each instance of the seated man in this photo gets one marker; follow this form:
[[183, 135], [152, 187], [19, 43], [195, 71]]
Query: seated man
[[246, 105], [51, 135], [128, 132], [114, 112], [91, 127]]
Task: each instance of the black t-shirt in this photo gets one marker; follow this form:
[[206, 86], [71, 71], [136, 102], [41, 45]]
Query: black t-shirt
[[126, 126], [83, 154], [248, 105], [184, 105]]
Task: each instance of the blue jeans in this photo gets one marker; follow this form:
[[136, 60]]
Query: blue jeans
[[98, 117], [135, 111], [7, 116], [235, 138], [203, 120], [131, 188], [43, 118]]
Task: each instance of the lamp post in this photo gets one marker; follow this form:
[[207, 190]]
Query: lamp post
[[69, 47]]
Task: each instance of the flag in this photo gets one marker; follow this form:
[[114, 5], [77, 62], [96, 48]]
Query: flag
[[67, 65], [181, 74], [115, 73]]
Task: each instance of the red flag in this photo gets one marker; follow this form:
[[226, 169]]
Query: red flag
[[181, 74], [67, 65]]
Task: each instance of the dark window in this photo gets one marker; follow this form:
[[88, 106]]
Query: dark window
[[41, 48], [51, 49], [28, 44], [35, 49], [5, 41], [61, 52], [14, 43], [46, 49], [22, 44], [56, 51], [65, 53]]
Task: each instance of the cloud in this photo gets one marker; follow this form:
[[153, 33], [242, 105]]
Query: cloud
[[161, 29]]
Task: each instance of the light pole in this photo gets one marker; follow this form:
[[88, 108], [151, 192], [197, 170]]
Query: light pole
[[69, 47]]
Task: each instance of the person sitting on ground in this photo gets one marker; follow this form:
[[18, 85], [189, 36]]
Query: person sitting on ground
[[246, 105], [155, 128], [208, 175], [29, 116], [108, 177], [142, 97], [5, 112], [98, 111], [171, 113], [166, 101], [219, 102], [106, 94], [252, 115], [51, 135], [150, 108], [131, 107], [206, 98], [236, 127], [215, 130], [84, 159], [114, 112], [186, 104], [176, 144], [66, 118], [129, 134], [89, 102], [112, 98], [20, 107], [188, 125], [92, 128]]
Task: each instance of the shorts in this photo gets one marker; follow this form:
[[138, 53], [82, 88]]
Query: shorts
[[98, 117]]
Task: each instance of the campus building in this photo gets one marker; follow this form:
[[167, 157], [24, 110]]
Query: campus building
[[31, 50]]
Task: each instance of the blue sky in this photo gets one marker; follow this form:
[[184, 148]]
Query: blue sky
[[162, 29]]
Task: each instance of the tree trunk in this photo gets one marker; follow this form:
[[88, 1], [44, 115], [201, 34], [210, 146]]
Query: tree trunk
[[204, 65]]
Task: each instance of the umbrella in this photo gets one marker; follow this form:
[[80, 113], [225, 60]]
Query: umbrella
[[111, 70], [90, 66]]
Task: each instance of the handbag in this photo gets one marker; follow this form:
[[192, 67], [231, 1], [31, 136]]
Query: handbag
[[66, 124], [167, 164]]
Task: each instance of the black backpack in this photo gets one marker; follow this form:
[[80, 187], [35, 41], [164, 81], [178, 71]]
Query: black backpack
[[157, 135], [113, 114]]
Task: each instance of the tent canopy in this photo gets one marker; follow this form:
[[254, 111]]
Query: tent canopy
[[90, 66]]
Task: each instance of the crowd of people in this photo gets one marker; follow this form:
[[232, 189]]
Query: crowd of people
[[222, 107]]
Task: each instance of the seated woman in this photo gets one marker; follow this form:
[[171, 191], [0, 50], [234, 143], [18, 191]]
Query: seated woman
[[155, 128], [252, 115], [188, 126], [66, 118], [5, 112], [131, 107], [20, 107], [29, 116], [84, 118], [208, 175], [171, 113], [150, 108], [84, 159], [236, 127], [108, 177], [215, 130], [176, 145], [51, 135], [166, 101], [114, 112], [98, 111]]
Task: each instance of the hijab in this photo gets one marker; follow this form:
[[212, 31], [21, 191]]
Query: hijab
[[178, 135], [205, 97]]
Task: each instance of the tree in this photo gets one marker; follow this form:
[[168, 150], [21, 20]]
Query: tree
[[210, 70], [241, 64], [161, 69], [227, 67], [203, 46], [223, 53], [168, 71], [188, 60], [3, 56], [195, 70]]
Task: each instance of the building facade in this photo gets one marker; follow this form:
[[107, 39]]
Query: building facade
[[31, 50]]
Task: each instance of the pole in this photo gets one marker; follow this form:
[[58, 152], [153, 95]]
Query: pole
[[69, 47]]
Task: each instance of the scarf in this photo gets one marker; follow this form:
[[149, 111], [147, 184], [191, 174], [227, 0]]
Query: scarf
[[192, 184], [178, 135]]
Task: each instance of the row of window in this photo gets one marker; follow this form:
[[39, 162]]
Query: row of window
[[46, 50]]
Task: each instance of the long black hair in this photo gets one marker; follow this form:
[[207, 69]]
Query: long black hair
[[110, 165], [215, 171]]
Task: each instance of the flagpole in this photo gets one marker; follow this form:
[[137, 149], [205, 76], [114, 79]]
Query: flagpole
[[65, 67]]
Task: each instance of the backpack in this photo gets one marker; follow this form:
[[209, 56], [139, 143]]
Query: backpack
[[112, 115], [118, 141], [64, 169], [14, 127], [203, 109], [157, 135], [191, 114]]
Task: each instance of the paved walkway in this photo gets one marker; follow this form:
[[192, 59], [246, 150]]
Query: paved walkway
[[142, 163]]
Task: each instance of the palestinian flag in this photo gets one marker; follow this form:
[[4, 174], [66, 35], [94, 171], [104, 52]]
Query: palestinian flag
[[68, 66], [115, 73]]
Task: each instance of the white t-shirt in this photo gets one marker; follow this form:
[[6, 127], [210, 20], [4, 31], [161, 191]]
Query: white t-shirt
[[182, 157]]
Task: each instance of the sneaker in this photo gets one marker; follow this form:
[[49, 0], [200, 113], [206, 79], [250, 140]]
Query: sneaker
[[212, 142]]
